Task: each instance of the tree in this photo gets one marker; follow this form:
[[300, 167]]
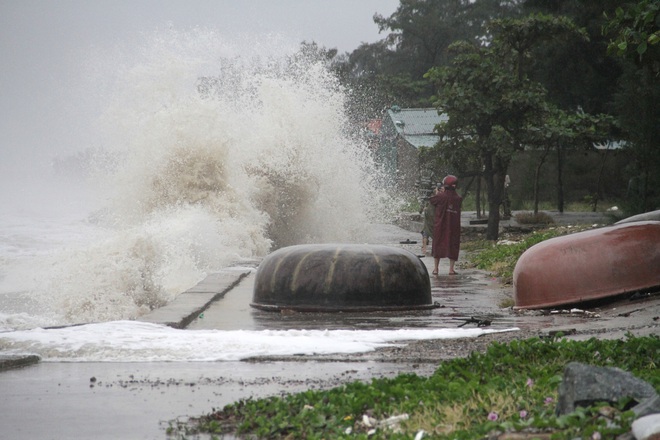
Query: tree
[[578, 72], [522, 35], [485, 103], [638, 114], [488, 96], [418, 35], [421, 31], [635, 28], [568, 130]]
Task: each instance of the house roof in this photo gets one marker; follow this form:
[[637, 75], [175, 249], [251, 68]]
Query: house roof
[[416, 125]]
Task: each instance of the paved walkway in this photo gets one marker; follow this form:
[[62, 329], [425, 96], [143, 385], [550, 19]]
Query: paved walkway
[[473, 295], [462, 299], [222, 301]]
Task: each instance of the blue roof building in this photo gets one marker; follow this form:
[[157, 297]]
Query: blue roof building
[[403, 132]]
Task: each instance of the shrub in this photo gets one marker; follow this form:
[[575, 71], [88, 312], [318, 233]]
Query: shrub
[[529, 218], [501, 258]]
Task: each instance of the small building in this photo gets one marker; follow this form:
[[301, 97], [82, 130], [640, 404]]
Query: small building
[[403, 132]]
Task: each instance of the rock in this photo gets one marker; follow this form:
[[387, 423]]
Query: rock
[[648, 406], [584, 385], [15, 361], [647, 427]]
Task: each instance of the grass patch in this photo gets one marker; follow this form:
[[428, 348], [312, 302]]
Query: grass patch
[[512, 387], [500, 258]]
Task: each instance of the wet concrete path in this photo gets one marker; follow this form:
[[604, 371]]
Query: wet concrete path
[[222, 301], [471, 298], [458, 298]]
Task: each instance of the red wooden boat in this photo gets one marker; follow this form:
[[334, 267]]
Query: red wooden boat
[[588, 265]]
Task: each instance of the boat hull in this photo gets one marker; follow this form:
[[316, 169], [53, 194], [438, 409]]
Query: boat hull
[[341, 278], [652, 215], [588, 265]]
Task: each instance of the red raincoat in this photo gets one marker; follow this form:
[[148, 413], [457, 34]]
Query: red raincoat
[[446, 224]]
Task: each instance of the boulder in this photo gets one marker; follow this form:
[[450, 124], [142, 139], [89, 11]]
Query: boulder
[[584, 385], [648, 406]]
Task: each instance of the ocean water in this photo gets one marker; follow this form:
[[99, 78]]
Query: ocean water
[[185, 154]]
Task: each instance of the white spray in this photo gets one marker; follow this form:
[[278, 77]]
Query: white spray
[[208, 155]]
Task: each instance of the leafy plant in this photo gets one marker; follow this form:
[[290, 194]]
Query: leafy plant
[[511, 387], [501, 258]]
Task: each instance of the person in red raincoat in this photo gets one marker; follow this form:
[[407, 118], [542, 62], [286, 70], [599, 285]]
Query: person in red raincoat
[[446, 224]]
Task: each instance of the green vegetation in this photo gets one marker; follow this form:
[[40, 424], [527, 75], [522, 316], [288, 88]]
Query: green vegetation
[[581, 206], [465, 398], [412, 204], [555, 80], [500, 258]]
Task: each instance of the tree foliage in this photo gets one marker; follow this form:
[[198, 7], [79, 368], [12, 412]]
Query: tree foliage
[[522, 35], [417, 36], [578, 72], [490, 99], [557, 50], [421, 31], [562, 131], [636, 29]]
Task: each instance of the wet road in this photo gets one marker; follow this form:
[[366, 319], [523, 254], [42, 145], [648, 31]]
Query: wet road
[[466, 299], [460, 300]]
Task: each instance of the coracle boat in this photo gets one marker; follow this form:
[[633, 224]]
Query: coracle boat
[[589, 265], [341, 278]]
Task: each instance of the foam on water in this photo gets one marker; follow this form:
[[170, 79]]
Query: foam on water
[[144, 342], [205, 153]]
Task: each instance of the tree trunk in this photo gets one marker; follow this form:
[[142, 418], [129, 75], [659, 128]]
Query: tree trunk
[[493, 227], [560, 183], [594, 207], [537, 177], [495, 170], [646, 206], [484, 202], [467, 187], [478, 199]]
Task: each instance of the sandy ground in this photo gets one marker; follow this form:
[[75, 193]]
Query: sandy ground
[[137, 401]]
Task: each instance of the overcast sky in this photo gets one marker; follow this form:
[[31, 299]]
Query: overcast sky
[[40, 40]]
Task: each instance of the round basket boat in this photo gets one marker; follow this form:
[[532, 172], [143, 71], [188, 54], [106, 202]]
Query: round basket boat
[[341, 278]]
